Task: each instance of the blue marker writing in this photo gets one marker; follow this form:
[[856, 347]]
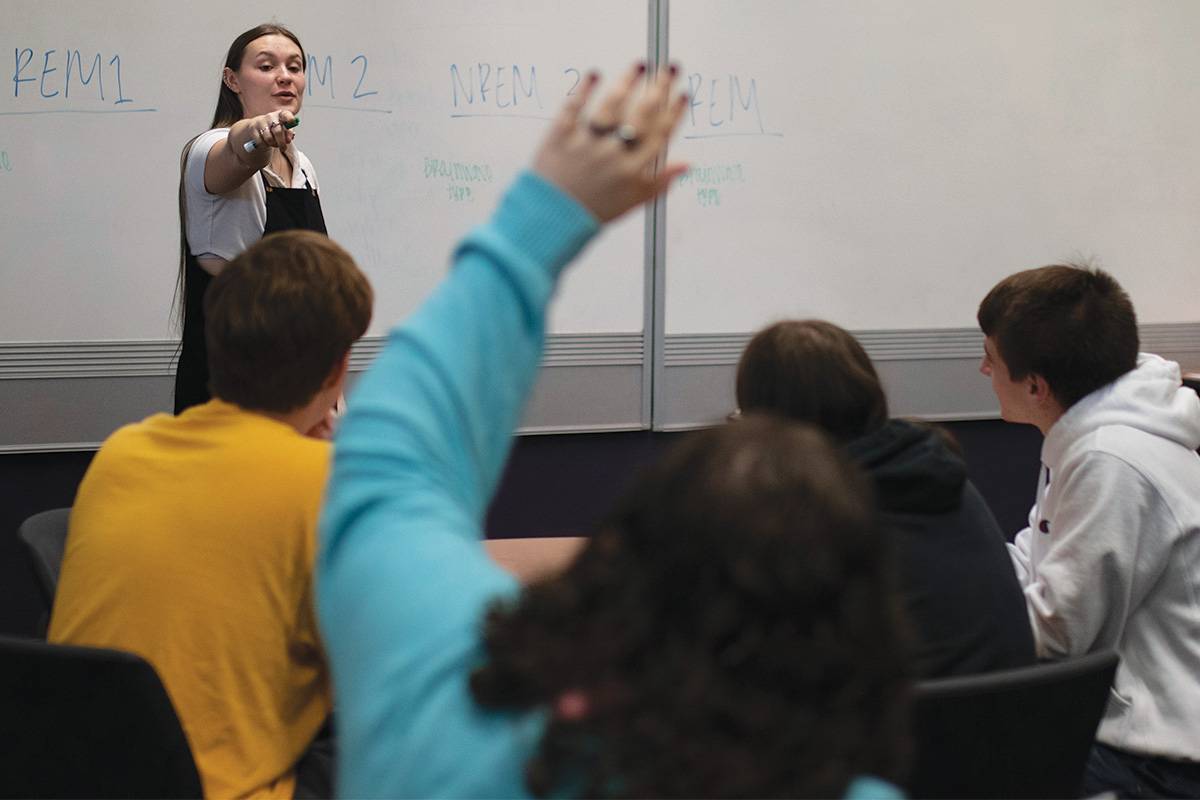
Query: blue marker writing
[[252, 145]]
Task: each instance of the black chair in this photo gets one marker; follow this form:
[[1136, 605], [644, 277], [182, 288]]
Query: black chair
[[1013, 733], [88, 722], [45, 538], [1192, 381]]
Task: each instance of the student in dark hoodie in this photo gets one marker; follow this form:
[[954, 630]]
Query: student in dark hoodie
[[965, 605]]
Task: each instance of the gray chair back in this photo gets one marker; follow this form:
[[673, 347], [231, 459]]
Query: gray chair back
[[45, 538]]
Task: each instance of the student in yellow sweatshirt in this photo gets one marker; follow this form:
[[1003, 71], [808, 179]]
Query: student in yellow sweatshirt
[[192, 538]]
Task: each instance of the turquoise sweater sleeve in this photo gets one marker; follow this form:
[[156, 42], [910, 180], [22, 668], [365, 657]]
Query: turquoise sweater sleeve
[[403, 581]]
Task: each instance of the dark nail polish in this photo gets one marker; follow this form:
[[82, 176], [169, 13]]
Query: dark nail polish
[[641, 67], [674, 70]]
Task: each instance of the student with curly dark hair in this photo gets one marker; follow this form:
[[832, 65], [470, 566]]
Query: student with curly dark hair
[[730, 631], [963, 600], [727, 633]]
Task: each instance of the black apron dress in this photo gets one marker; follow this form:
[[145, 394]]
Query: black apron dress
[[287, 210]]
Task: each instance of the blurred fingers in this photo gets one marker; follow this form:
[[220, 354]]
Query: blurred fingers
[[655, 99], [660, 129], [667, 176], [568, 116], [610, 112]]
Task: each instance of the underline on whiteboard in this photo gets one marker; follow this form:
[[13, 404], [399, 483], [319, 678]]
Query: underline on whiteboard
[[78, 111], [723, 135], [512, 116], [348, 108]]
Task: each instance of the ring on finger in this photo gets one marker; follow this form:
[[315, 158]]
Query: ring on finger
[[628, 135], [274, 124]]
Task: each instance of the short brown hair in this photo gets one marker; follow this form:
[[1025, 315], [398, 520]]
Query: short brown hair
[[279, 317], [1072, 324], [812, 371]]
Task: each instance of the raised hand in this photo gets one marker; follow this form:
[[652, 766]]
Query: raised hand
[[267, 131], [610, 161]]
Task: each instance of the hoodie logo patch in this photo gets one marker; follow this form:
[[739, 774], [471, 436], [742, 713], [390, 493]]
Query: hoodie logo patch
[[1044, 526]]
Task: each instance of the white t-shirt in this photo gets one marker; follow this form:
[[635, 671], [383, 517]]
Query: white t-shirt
[[223, 225]]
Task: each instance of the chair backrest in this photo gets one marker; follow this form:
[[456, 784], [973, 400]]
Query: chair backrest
[[45, 538], [1013, 733], [88, 722]]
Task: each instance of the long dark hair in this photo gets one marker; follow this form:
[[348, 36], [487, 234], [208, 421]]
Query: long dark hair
[[229, 110], [732, 629]]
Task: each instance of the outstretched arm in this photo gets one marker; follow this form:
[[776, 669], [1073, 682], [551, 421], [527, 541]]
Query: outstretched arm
[[229, 164], [403, 580]]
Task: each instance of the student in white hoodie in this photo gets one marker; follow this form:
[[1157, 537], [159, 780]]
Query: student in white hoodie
[[1111, 556]]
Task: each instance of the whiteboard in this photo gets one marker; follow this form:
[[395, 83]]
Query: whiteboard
[[882, 163], [416, 116], [879, 163]]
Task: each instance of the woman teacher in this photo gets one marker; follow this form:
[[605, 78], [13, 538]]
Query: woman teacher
[[240, 180]]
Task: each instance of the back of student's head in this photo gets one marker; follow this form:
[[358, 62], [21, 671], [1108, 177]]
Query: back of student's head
[[730, 631], [279, 319], [1073, 325], [812, 371]]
